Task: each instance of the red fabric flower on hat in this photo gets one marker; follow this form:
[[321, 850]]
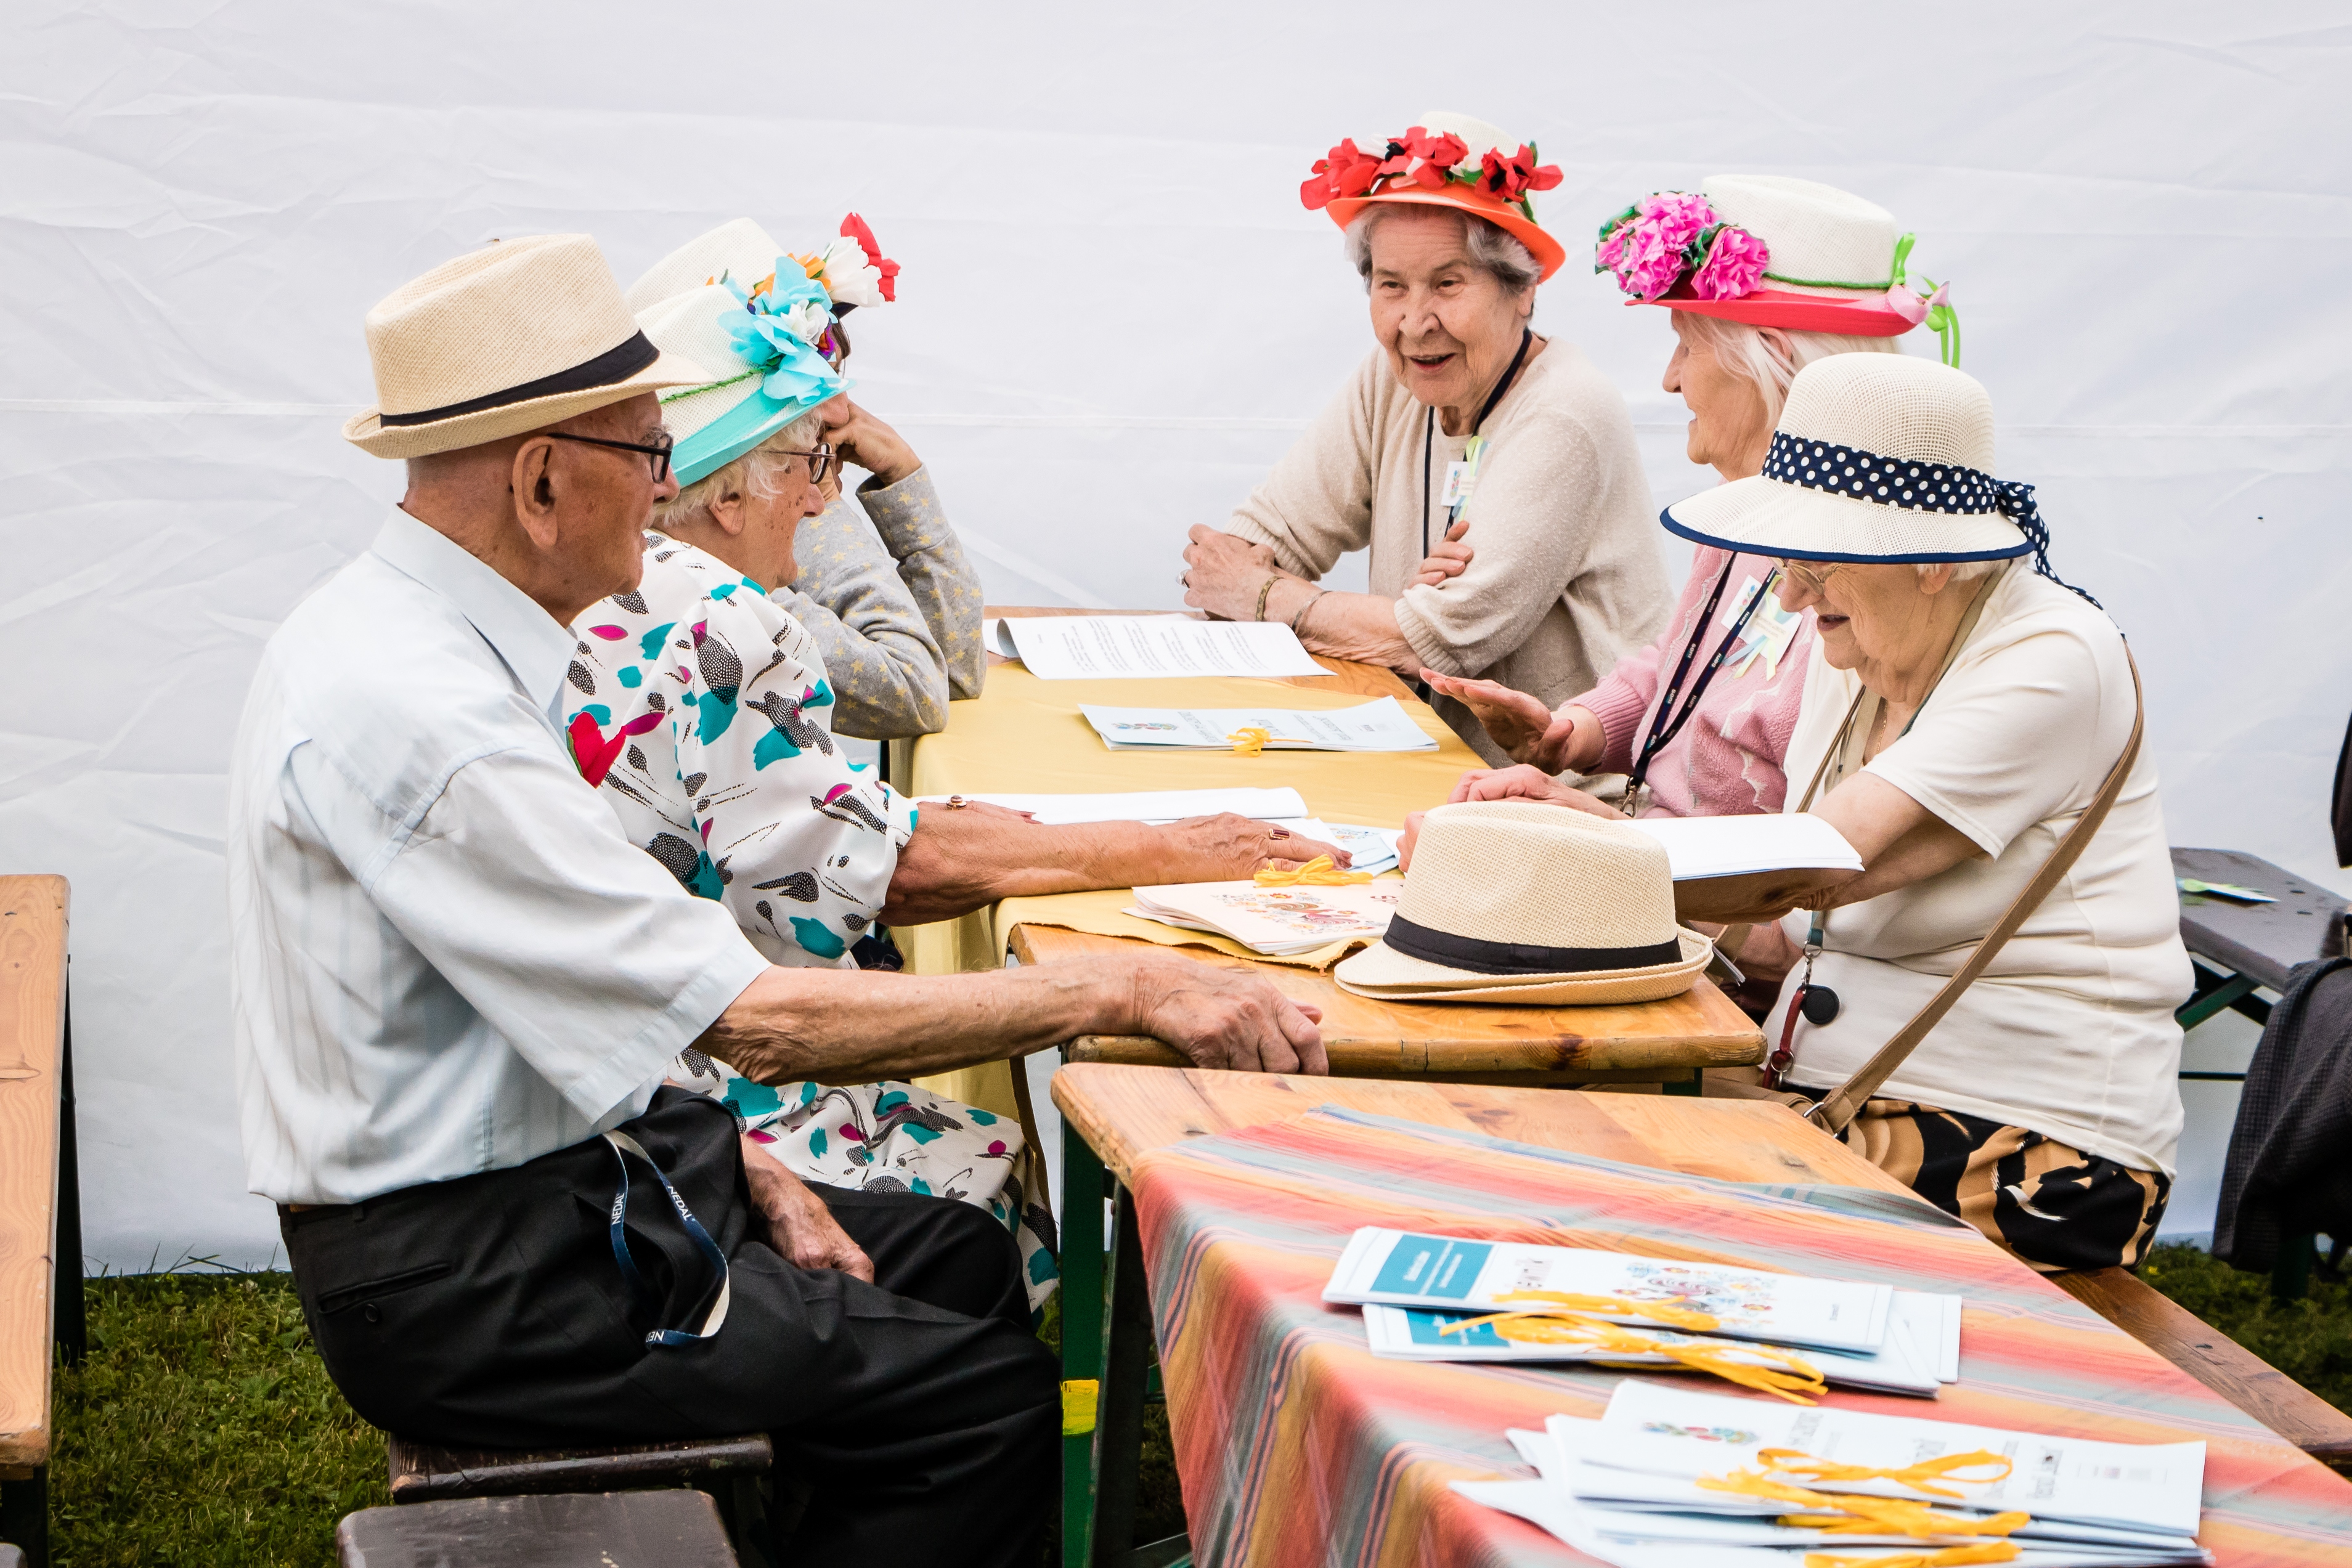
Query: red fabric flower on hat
[[854, 227], [1438, 155], [1346, 171], [1513, 177]]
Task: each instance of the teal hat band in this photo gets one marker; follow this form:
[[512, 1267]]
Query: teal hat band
[[748, 423]]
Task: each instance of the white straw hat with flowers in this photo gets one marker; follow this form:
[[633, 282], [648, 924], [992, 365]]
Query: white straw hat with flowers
[[1876, 458], [521, 334], [762, 318], [1773, 251], [1513, 901]]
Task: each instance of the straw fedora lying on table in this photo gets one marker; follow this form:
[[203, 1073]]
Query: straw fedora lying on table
[[1510, 900]]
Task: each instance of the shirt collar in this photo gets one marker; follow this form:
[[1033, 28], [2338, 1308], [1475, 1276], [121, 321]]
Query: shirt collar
[[536, 648]]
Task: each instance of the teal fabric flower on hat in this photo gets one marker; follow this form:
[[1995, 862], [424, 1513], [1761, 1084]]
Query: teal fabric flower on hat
[[783, 317]]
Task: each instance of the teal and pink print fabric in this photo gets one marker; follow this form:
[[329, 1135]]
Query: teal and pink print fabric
[[699, 709], [894, 1137]]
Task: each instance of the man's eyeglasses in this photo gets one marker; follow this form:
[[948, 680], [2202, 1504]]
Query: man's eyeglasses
[[657, 451]]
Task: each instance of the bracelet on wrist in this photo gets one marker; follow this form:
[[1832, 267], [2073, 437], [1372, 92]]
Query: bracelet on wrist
[[1263, 588], [1299, 616]]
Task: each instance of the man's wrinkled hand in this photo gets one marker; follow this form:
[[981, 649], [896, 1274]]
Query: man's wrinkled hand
[[1525, 729], [1224, 1017], [799, 1228]]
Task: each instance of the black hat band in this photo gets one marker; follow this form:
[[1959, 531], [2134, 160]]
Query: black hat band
[[613, 366], [1481, 956]]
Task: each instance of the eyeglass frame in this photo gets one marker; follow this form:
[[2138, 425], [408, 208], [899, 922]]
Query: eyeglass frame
[[820, 459], [1815, 584], [657, 452]]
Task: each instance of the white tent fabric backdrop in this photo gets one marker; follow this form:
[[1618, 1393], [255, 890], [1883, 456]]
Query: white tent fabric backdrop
[[1115, 316]]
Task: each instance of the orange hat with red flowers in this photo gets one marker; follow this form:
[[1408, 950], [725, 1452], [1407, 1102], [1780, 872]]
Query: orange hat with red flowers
[[1446, 160]]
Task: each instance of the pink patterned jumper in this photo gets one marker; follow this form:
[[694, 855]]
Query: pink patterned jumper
[[1728, 759]]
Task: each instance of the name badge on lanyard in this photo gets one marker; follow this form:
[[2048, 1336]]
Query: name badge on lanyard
[[1461, 479]]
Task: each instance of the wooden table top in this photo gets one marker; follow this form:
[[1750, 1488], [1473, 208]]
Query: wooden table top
[[1126, 1112], [32, 1040], [1369, 1038]]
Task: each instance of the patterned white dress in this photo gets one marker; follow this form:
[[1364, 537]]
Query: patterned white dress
[[700, 710]]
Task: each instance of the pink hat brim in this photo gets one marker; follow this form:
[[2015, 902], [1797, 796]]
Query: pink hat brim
[[1859, 318]]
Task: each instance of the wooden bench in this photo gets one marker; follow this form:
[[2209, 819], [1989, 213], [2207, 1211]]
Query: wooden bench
[[2218, 1362], [40, 1203], [609, 1529], [727, 1468]]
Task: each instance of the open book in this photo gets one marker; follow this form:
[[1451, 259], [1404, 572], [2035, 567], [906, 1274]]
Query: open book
[[1280, 922]]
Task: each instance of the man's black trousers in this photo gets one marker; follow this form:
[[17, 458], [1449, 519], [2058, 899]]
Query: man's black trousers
[[919, 1413]]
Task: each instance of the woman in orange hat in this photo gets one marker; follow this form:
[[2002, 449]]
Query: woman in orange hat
[[1463, 419]]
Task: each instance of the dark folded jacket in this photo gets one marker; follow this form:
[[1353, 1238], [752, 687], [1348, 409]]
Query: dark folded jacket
[[2290, 1168]]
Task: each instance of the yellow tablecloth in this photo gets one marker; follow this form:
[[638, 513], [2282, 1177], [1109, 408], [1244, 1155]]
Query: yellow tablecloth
[[1025, 736]]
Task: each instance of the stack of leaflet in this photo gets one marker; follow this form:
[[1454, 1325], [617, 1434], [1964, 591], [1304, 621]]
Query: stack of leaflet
[[1415, 1288], [1379, 725], [1280, 922], [1626, 1488]]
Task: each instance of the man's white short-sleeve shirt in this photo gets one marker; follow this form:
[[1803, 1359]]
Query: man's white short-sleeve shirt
[[446, 956]]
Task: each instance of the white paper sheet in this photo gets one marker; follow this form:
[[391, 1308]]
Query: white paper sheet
[[1149, 647], [1397, 1268], [1378, 725], [1147, 805], [1734, 846]]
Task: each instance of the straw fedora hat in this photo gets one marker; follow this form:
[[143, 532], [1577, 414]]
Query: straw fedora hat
[[1481, 172], [1513, 901], [736, 302], [1770, 250], [521, 334], [1876, 458]]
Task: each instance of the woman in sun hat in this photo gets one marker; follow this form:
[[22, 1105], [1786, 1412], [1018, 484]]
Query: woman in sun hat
[[1967, 722], [1462, 418], [883, 586], [1764, 275]]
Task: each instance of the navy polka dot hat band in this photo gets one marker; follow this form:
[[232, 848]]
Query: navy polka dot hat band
[[1908, 440]]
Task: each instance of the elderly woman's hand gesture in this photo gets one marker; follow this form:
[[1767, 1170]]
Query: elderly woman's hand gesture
[[1528, 731]]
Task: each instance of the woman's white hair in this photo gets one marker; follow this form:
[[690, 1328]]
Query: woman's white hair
[[1754, 352], [1491, 245], [758, 472]]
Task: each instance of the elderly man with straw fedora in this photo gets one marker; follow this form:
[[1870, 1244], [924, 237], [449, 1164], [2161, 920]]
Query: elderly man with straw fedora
[[1462, 419], [1984, 1010], [458, 987]]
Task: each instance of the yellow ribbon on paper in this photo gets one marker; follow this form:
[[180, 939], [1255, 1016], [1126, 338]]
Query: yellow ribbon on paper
[[1847, 1513], [1948, 1557], [1920, 1477], [1317, 872], [1666, 1312], [1790, 1378], [1250, 740]]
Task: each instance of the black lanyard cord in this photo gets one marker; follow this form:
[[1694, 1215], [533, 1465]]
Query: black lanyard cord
[[1668, 722], [1429, 428]]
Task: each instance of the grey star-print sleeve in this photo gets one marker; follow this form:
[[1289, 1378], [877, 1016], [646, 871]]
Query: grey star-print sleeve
[[894, 607]]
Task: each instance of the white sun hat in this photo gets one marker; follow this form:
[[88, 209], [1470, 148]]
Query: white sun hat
[[1876, 458], [1514, 901], [735, 300], [519, 335]]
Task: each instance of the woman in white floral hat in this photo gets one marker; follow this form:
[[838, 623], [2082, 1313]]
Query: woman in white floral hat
[[1462, 418]]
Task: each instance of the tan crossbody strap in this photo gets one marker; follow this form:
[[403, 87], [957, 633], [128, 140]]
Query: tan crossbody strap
[[1838, 1107]]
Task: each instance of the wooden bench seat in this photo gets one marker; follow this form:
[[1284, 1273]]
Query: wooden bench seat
[[2218, 1362], [673, 1528], [422, 1472]]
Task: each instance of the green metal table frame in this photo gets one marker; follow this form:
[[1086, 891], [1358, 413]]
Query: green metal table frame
[[1109, 1350]]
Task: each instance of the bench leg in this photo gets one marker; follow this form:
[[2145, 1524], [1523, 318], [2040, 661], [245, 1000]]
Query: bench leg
[[1119, 1415], [69, 1326], [1082, 1335], [25, 1516], [2291, 1274]]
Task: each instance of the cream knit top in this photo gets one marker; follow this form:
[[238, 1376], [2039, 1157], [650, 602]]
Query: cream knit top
[[1567, 576]]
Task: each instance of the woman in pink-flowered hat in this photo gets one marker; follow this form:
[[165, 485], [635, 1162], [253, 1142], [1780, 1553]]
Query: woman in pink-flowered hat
[[1763, 275]]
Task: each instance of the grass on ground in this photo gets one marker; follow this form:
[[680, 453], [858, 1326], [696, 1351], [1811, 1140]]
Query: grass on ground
[[202, 1427]]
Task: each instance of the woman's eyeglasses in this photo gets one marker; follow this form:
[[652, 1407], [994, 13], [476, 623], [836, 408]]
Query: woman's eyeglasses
[[821, 460], [1813, 583], [657, 451]]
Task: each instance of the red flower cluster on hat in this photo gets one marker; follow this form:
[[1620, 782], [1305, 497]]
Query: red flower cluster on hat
[[854, 227], [1431, 161]]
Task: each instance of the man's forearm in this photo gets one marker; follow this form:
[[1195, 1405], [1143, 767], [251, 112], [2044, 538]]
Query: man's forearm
[[849, 1026]]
